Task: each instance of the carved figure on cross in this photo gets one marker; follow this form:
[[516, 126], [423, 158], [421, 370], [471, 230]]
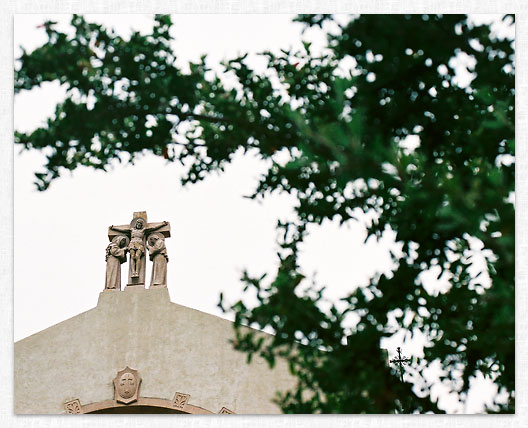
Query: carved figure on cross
[[138, 232]]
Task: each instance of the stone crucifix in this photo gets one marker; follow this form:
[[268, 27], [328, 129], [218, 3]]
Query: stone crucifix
[[138, 231]]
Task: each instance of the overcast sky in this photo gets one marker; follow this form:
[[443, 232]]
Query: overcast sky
[[216, 233]]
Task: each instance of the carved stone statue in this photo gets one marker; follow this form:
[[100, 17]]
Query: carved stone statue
[[158, 254], [138, 231], [115, 256]]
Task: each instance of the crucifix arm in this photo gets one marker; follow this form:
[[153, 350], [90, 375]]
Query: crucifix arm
[[152, 229], [123, 229]]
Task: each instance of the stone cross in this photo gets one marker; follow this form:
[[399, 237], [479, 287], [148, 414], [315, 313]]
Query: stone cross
[[138, 231]]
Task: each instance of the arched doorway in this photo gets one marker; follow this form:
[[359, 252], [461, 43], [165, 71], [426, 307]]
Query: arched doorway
[[142, 406], [136, 410]]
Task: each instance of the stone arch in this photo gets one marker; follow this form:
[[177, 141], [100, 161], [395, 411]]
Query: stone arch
[[142, 405]]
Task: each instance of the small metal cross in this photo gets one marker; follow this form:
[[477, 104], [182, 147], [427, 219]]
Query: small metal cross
[[400, 361]]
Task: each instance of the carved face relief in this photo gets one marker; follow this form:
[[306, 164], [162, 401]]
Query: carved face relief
[[139, 224], [126, 385], [152, 239]]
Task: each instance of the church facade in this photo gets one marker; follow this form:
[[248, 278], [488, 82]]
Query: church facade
[[138, 352]]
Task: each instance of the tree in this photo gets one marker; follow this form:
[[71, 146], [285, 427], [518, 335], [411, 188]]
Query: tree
[[346, 134]]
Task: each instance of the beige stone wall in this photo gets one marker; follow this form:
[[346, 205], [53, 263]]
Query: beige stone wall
[[174, 348]]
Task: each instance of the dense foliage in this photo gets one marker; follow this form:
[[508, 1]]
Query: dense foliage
[[346, 136]]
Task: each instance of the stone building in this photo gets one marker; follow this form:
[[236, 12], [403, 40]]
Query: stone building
[[138, 352]]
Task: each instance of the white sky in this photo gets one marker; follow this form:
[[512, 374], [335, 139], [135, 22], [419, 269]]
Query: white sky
[[215, 232]]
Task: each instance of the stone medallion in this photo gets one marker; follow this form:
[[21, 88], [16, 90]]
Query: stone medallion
[[126, 385]]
